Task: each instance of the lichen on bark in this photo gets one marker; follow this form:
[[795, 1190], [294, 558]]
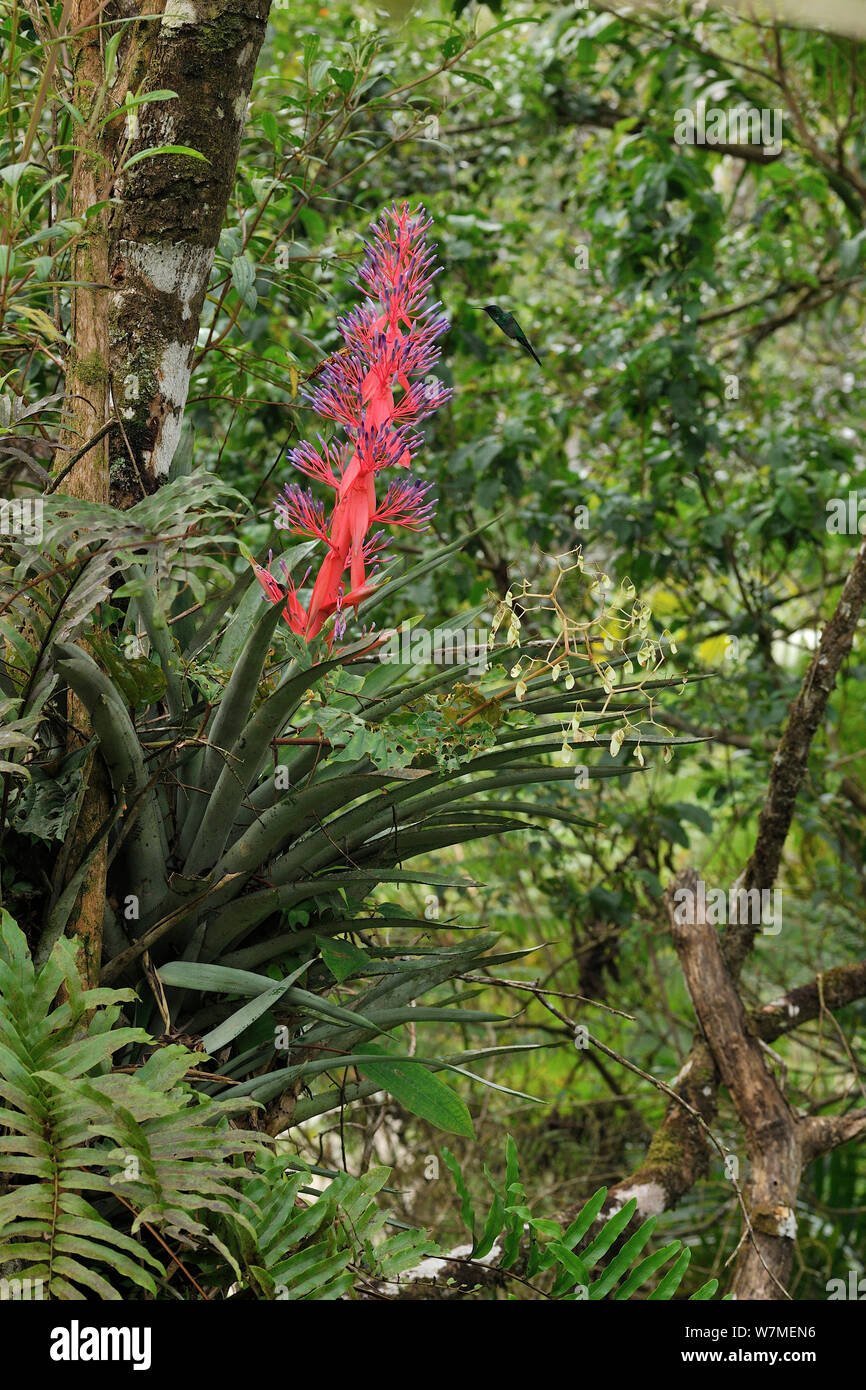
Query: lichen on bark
[[169, 215]]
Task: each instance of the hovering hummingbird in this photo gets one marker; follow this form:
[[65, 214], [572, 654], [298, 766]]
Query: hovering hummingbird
[[511, 328]]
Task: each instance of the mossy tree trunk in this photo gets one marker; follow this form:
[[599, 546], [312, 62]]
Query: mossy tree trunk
[[85, 413], [86, 402], [140, 270], [167, 224]]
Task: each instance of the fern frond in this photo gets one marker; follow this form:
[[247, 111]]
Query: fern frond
[[80, 1135]]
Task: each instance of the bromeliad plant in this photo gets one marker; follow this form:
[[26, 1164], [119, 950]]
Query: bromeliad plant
[[260, 794], [265, 782]]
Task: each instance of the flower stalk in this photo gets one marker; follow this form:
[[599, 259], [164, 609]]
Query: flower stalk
[[377, 390]]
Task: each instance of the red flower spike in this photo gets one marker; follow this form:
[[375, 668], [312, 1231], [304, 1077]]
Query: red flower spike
[[373, 392]]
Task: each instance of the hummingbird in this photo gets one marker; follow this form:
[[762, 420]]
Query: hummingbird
[[325, 362], [511, 328]]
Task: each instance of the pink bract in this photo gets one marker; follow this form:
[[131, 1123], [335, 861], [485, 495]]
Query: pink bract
[[376, 392]]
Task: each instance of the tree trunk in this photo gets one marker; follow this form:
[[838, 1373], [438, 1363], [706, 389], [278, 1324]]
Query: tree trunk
[[86, 410], [165, 231], [86, 400], [141, 272]]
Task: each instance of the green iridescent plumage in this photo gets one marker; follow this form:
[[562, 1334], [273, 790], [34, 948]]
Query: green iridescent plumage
[[511, 328]]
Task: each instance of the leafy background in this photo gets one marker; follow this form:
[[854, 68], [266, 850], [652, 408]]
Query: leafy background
[[700, 320]]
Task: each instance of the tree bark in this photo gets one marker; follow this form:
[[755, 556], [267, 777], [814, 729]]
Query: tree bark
[[140, 273], [86, 389], [792, 755], [85, 411], [168, 222], [779, 1143], [771, 1131]]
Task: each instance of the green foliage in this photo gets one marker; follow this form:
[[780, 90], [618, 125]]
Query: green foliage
[[333, 1244], [50, 591], [700, 320], [539, 1250], [15, 734], [418, 1090], [321, 1249], [306, 778], [141, 1142]]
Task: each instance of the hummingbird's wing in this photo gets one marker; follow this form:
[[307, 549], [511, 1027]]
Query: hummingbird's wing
[[529, 348], [524, 342]]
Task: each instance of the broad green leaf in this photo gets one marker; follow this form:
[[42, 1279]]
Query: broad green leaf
[[421, 1092], [342, 957]]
